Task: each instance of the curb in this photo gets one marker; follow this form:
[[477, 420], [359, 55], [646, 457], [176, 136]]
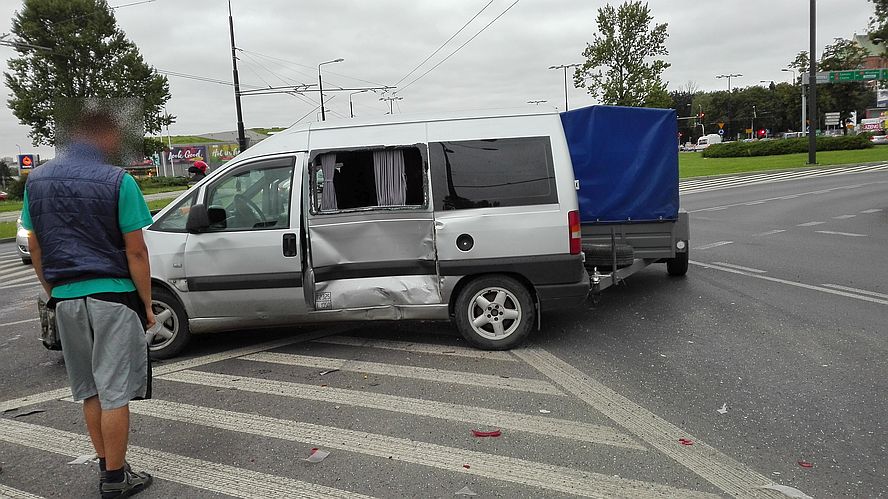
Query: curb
[[7, 240]]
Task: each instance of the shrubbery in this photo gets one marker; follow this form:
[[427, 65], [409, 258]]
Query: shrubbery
[[161, 181], [16, 188], [785, 146]]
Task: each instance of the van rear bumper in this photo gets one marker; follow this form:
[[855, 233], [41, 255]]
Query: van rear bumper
[[557, 296]]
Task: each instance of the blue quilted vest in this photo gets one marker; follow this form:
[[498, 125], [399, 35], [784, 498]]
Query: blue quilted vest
[[72, 201]]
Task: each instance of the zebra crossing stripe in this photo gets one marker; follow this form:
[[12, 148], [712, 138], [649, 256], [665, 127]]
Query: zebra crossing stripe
[[7, 492], [519, 471], [197, 473], [734, 478], [414, 347], [400, 371], [718, 183], [27, 271], [561, 428]]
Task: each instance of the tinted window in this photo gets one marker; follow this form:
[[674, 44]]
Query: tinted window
[[174, 220], [492, 173]]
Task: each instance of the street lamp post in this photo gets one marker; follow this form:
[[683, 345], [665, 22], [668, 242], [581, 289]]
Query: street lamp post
[[564, 67], [792, 70], [729, 76], [812, 87], [351, 106], [321, 86]]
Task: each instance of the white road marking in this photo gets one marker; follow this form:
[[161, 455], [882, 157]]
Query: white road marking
[[769, 233], [874, 210], [20, 322], [791, 196], [520, 471], [412, 372], [197, 473], [856, 290], [541, 425], [729, 475], [160, 370], [28, 278], [792, 283], [23, 285], [7, 492], [738, 267], [410, 346], [753, 203], [725, 182], [19, 273], [810, 224], [849, 234], [844, 217], [15, 263], [713, 245], [839, 188]]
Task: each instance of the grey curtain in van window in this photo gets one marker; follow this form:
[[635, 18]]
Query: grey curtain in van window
[[391, 184], [328, 195]]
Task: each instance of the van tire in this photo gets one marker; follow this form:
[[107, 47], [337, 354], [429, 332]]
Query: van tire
[[599, 255], [168, 309], [516, 301], [678, 266], [26, 261]]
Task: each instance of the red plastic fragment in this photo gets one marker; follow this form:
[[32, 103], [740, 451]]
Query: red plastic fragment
[[685, 441], [805, 464], [479, 433], [466, 466]]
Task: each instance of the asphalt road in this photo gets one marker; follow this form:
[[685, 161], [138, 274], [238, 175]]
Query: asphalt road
[[769, 353]]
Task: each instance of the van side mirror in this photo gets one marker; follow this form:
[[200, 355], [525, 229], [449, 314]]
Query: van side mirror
[[218, 217], [198, 219]]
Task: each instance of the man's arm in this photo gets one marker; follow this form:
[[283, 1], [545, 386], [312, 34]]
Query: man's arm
[[140, 269], [36, 252]]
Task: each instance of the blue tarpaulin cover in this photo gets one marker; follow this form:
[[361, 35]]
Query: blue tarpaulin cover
[[626, 160]]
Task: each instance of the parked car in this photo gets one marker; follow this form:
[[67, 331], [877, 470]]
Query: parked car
[[21, 242], [3, 196], [879, 139], [708, 140]]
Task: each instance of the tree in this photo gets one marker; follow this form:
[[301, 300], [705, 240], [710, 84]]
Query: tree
[[85, 56], [879, 25], [844, 98], [622, 66], [6, 172]]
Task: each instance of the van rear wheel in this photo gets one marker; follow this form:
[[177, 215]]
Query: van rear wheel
[[495, 313]]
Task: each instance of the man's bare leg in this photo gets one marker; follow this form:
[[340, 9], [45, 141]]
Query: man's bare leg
[[92, 413], [115, 436]]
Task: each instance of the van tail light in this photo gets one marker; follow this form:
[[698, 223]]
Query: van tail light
[[576, 235]]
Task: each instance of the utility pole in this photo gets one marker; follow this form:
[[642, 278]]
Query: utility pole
[[564, 67], [391, 100], [241, 137], [812, 88]]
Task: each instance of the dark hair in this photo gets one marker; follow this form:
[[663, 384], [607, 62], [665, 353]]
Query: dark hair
[[96, 121]]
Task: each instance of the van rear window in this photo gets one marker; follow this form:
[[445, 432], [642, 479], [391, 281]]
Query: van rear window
[[492, 173]]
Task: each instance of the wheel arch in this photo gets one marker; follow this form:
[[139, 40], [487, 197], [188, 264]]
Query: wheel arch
[[466, 280]]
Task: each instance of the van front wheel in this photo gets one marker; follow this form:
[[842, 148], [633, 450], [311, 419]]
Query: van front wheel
[[495, 313], [173, 333]]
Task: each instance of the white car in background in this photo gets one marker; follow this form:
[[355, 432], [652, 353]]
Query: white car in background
[[21, 242], [879, 139]]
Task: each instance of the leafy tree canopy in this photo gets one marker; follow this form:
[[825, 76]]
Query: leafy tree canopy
[[86, 56], [879, 24], [622, 63]]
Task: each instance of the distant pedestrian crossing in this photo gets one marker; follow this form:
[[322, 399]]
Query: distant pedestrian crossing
[[693, 186], [399, 426], [14, 273]]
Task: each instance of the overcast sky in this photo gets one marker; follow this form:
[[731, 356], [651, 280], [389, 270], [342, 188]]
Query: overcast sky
[[382, 40]]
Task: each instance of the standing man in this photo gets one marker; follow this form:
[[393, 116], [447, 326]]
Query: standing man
[[85, 219]]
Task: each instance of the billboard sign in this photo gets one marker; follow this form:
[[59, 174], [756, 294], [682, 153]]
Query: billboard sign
[[220, 153], [27, 161], [882, 97], [181, 155]]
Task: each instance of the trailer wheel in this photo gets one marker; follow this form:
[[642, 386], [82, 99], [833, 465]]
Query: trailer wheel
[[678, 266], [174, 333], [495, 313], [599, 255]]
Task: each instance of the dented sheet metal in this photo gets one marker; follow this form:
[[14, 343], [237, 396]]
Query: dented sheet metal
[[378, 292], [356, 239]]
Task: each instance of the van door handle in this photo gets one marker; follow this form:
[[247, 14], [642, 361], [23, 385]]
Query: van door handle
[[439, 225], [289, 244]]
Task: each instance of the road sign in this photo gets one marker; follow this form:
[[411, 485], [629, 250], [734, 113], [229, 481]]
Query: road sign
[[721, 131], [832, 119], [27, 161], [858, 75], [721, 124], [749, 130]]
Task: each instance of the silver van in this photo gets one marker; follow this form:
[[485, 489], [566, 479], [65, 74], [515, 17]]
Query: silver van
[[472, 219]]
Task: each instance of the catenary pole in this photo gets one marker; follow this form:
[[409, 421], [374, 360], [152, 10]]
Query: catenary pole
[[812, 89], [241, 137]]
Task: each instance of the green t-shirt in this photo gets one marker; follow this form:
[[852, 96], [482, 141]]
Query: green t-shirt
[[132, 214]]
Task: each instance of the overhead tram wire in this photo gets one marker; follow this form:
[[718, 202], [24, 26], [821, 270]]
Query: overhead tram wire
[[442, 61], [460, 30], [278, 59], [295, 83]]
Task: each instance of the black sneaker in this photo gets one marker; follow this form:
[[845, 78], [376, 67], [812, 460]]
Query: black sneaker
[[133, 483]]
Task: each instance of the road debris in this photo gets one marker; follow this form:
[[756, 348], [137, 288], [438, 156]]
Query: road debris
[[465, 491], [805, 464], [466, 466], [86, 458], [723, 410], [787, 491], [685, 441], [544, 411], [492, 433], [328, 371], [317, 455]]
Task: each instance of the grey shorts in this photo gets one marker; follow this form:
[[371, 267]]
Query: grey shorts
[[105, 350]]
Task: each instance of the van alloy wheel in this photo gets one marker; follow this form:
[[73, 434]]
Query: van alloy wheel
[[495, 313], [174, 333], [169, 325]]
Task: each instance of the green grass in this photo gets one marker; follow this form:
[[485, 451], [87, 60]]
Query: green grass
[[185, 139], [266, 131], [693, 164], [159, 204], [10, 205], [7, 229], [165, 188]]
